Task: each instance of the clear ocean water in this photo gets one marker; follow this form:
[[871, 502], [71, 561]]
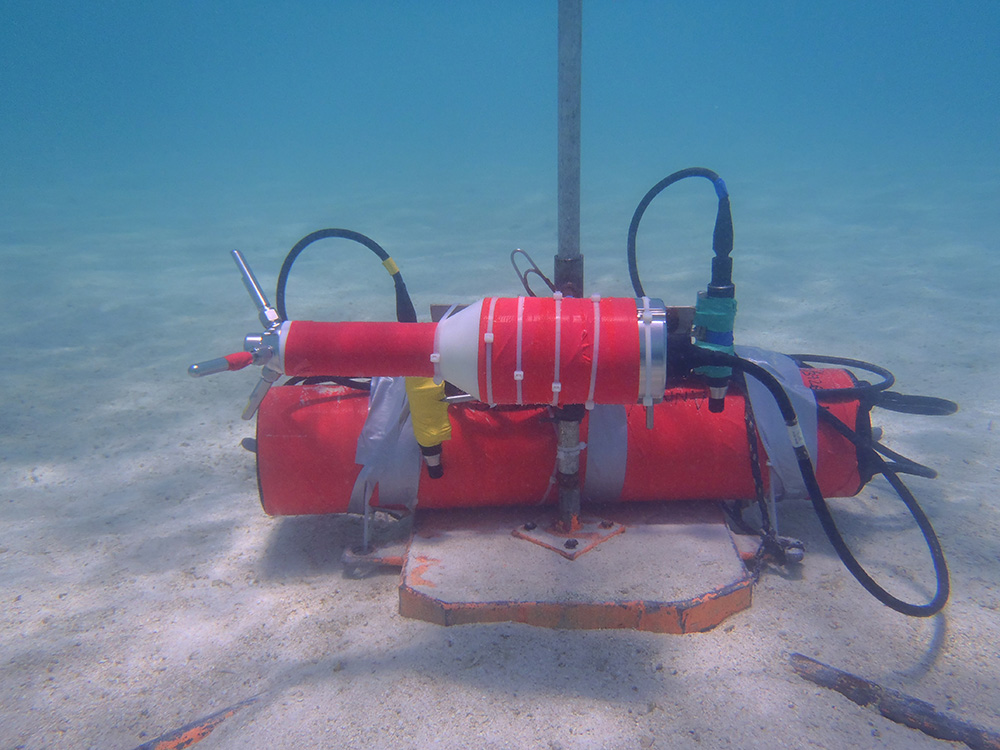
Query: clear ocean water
[[433, 124], [140, 142]]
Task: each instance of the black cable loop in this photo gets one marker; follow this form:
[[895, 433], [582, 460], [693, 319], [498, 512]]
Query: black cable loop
[[860, 390], [823, 511], [722, 236], [404, 306]]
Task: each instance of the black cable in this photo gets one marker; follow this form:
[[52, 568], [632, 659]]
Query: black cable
[[758, 476], [900, 464], [355, 384], [876, 394], [861, 390], [924, 405], [722, 236], [822, 509], [404, 306]]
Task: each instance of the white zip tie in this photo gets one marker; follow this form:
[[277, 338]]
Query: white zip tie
[[597, 342], [556, 385], [575, 450], [436, 354], [518, 372], [488, 339]]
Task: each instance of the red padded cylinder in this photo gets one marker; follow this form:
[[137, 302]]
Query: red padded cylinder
[[307, 437], [617, 352], [349, 349]]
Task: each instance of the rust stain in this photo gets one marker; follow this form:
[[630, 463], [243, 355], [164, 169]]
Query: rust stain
[[695, 615], [415, 577], [195, 732]]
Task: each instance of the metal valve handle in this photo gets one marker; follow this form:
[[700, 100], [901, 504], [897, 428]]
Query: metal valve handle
[[257, 351]]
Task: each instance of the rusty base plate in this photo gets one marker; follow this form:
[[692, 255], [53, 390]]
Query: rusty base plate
[[587, 533], [673, 569]]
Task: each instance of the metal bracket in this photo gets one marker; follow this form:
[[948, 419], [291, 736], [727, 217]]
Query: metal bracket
[[549, 532]]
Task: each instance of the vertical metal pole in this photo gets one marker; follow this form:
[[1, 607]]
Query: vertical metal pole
[[568, 465], [569, 261]]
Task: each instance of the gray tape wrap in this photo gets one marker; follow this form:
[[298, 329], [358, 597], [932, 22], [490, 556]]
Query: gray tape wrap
[[387, 449], [771, 425], [607, 453]]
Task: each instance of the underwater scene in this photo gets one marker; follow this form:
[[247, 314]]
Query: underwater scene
[[149, 600]]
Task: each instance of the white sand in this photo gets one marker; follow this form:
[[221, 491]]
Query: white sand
[[143, 587]]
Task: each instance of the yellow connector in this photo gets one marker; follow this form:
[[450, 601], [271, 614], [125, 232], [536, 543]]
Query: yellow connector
[[428, 411]]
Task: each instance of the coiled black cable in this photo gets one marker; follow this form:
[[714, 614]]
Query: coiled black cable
[[722, 236], [822, 510], [404, 306]]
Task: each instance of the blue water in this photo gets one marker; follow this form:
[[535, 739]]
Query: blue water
[[172, 114], [140, 142]]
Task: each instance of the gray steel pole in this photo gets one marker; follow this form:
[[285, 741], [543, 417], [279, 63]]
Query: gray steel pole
[[569, 261]]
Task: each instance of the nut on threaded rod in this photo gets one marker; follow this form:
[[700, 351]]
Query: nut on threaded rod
[[268, 315]]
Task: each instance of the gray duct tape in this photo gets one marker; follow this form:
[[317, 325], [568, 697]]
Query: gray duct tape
[[607, 453], [771, 426], [387, 450]]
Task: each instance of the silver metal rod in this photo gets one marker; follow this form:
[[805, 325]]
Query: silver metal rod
[[568, 473], [569, 262], [267, 314], [211, 367]]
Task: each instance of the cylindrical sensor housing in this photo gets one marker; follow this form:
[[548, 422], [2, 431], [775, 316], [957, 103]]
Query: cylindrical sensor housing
[[504, 350]]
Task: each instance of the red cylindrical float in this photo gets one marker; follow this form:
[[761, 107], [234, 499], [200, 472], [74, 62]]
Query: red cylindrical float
[[513, 350], [313, 348], [560, 348], [307, 439]]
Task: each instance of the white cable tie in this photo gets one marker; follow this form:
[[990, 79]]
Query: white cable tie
[[558, 352], [518, 372], [573, 451], [488, 354], [436, 354], [795, 435], [435, 358], [597, 346]]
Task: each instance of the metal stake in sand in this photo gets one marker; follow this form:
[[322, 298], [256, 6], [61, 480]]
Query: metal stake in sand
[[569, 260]]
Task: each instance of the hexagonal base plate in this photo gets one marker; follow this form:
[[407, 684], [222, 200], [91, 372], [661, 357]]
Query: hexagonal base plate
[[673, 569]]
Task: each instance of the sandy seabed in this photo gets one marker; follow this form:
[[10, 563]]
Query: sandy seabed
[[143, 587]]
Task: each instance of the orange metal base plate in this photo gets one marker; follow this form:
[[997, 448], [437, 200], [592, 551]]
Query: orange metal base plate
[[673, 569]]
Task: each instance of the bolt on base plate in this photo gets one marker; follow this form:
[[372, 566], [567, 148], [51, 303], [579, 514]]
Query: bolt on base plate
[[547, 531]]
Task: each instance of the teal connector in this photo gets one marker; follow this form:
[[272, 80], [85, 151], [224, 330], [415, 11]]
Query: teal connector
[[714, 319]]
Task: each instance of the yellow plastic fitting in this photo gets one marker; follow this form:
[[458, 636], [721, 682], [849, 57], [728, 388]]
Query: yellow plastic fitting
[[428, 412]]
